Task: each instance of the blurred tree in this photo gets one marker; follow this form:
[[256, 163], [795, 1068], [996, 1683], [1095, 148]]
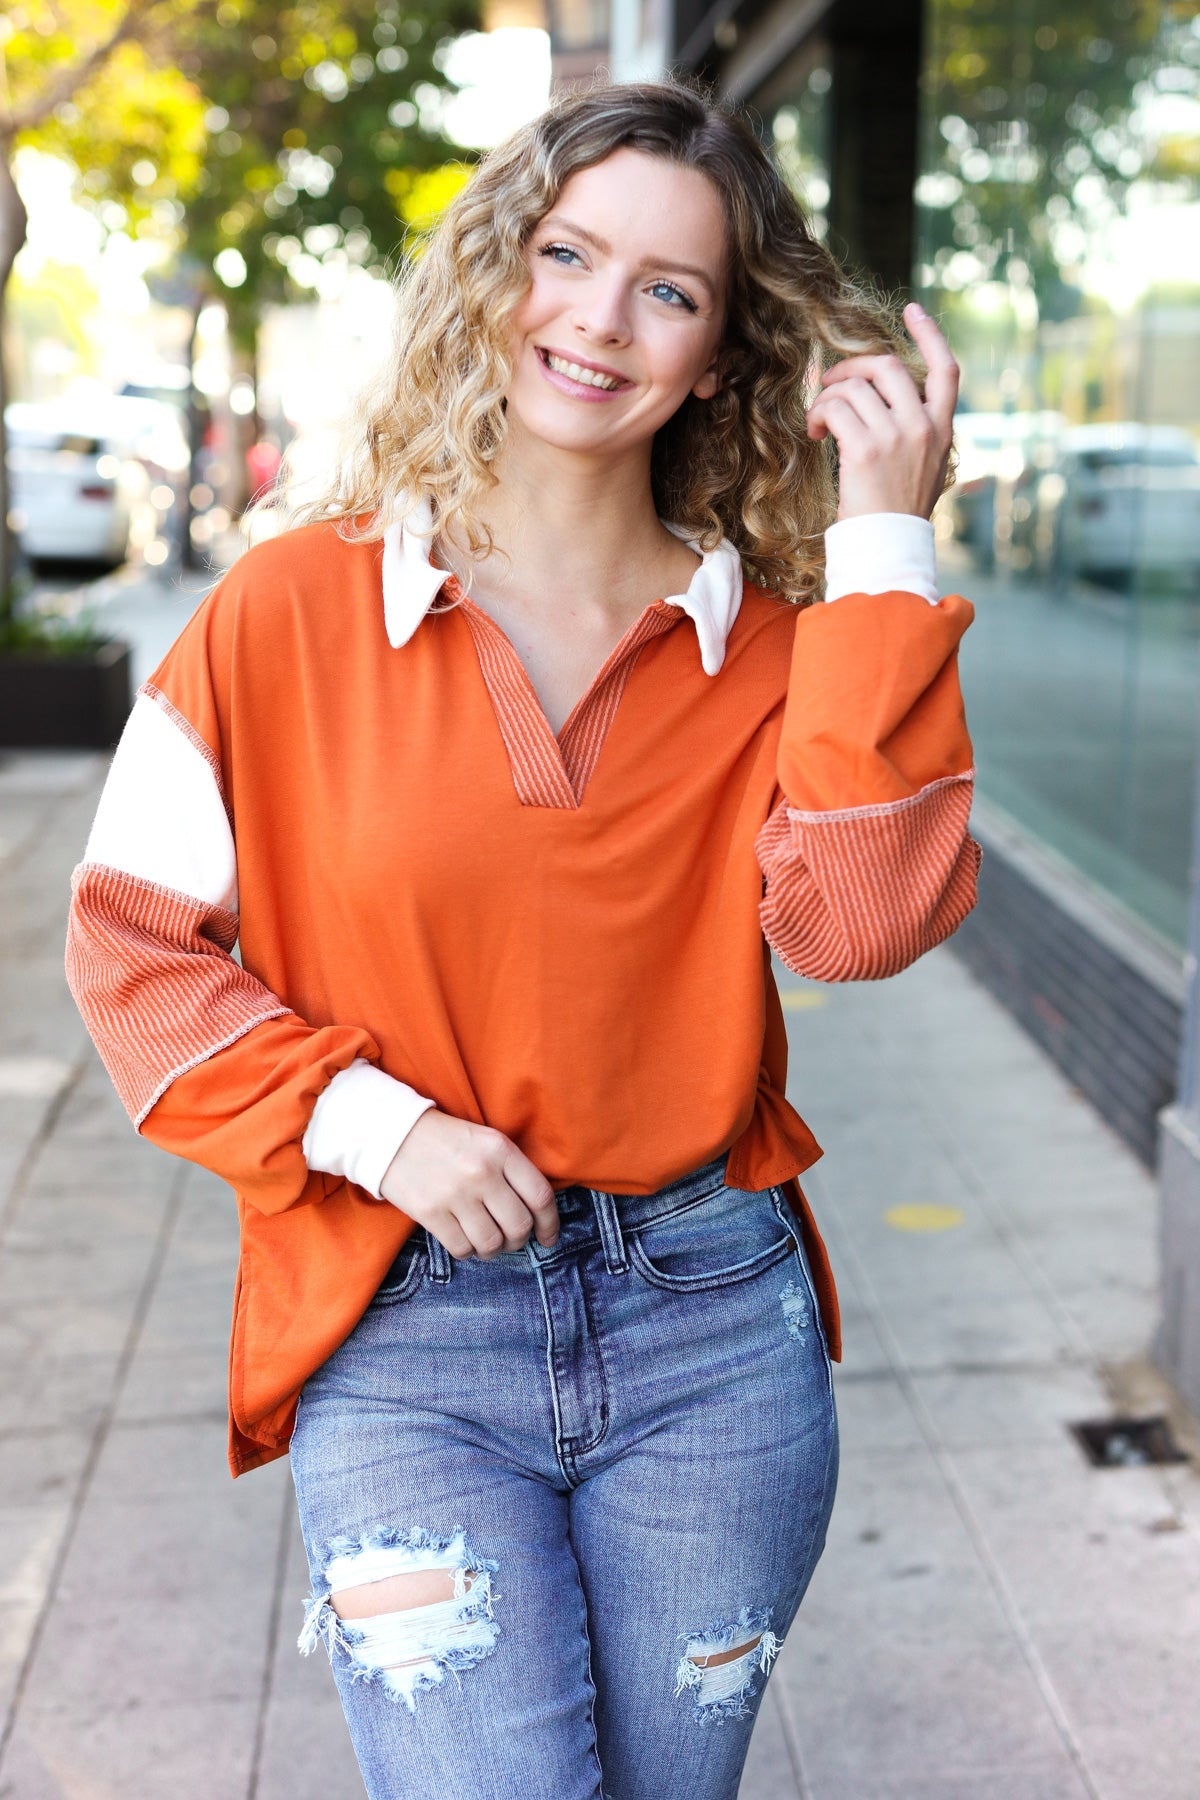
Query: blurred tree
[[269, 141], [1038, 132], [325, 138], [56, 306], [55, 54], [325, 146]]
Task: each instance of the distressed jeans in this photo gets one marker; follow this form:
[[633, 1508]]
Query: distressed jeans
[[621, 1455]]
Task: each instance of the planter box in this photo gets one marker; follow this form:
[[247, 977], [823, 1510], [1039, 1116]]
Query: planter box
[[65, 702]]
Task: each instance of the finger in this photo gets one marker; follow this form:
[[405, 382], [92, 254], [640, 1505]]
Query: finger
[[510, 1213], [483, 1234], [451, 1236], [941, 383], [867, 368], [536, 1192], [833, 417], [870, 406], [834, 414], [890, 379]]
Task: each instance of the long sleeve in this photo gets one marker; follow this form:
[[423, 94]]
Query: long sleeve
[[881, 553], [866, 855], [207, 1060]]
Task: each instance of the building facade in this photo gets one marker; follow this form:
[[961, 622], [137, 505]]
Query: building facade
[[1032, 174]]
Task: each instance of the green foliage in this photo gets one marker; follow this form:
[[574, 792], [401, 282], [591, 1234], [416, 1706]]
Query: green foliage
[[57, 303], [323, 127], [133, 128], [261, 140], [41, 632], [1035, 131], [292, 134]]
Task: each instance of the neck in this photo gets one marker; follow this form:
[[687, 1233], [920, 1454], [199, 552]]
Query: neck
[[573, 522]]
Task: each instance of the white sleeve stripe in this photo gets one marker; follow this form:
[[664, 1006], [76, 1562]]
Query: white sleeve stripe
[[161, 815], [881, 553], [190, 733], [359, 1122]]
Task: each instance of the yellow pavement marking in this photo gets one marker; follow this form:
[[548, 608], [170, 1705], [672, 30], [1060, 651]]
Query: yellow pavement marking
[[924, 1216], [801, 999]]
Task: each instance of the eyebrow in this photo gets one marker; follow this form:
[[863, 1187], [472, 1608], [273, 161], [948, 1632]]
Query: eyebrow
[[605, 249]]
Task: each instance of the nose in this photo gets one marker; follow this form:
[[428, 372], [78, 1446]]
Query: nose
[[602, 312]]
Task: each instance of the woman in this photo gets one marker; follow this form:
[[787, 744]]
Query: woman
[[506, 769]]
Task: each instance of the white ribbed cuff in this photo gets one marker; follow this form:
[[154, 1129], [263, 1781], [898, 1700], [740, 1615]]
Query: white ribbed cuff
[[881, 553], [358, 1124]]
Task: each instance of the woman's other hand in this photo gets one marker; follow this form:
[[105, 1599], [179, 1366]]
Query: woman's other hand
[[470, 1186], [893, 446]]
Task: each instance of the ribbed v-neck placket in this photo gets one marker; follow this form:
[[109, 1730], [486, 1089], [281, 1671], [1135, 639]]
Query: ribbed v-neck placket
[[549, 770]]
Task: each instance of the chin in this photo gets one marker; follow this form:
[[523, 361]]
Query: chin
[[548, 426]]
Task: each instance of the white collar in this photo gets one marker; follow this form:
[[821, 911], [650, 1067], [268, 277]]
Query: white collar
[[411, 583]]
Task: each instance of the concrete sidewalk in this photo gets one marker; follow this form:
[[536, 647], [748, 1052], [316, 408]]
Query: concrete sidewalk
[[993, 1617]]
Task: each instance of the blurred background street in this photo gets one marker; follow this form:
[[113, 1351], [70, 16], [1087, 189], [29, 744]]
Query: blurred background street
[[200, 207]]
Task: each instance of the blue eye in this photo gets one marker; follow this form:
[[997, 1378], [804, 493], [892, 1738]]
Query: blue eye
[[678, 293], [563, 254]]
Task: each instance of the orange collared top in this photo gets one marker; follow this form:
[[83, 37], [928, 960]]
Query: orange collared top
[[564, 936]]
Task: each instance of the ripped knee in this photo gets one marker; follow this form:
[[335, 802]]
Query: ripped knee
[[403, 1607], [720, 1662]]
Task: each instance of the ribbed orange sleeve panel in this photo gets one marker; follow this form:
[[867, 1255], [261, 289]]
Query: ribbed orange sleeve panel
[[152, 976], [867, 859], [207, 1061], [861, 894]]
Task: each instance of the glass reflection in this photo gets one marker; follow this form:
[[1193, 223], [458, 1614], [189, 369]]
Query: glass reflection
[[798, 132], [1058, 220]]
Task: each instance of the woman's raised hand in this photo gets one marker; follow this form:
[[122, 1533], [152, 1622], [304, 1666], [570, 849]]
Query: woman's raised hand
[[470, 1186], [893, 446]]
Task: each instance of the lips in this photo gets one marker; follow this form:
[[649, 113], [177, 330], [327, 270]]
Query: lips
[[578, 373]]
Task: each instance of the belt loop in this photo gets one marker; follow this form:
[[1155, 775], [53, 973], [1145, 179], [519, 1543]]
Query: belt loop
[[440, 1261], [608, 1219]]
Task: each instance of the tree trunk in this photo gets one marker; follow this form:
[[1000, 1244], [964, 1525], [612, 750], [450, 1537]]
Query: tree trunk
[[12, 235], [244, 427], [188, 556]]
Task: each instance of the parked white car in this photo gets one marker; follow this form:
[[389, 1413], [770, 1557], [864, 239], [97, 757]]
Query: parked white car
[[996, 453], [1124, 497], [80, 490]]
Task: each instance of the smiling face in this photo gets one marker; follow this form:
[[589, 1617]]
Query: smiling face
[[624, 315]]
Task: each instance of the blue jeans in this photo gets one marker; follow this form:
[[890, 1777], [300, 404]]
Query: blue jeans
[[618, 1456]]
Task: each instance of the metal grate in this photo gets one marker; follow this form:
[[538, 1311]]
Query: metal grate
[[1127, 1443]]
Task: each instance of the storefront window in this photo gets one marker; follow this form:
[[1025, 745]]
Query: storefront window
[[1058, 219]]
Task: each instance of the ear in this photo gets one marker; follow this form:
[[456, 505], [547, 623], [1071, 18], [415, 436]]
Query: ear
[[709, 382]]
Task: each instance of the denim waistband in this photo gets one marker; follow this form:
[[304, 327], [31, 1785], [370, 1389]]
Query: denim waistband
[[587, 1215], [634, 1210]]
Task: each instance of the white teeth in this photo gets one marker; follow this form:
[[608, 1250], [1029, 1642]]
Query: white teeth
[[589, 377]]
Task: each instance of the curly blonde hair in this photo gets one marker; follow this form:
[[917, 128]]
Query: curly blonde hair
[[738, 465]]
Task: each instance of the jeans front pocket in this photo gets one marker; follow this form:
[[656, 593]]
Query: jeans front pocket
[[405, 1275], [729, 1236]]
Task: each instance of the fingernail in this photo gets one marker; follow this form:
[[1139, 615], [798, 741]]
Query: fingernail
[[917, 310]]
